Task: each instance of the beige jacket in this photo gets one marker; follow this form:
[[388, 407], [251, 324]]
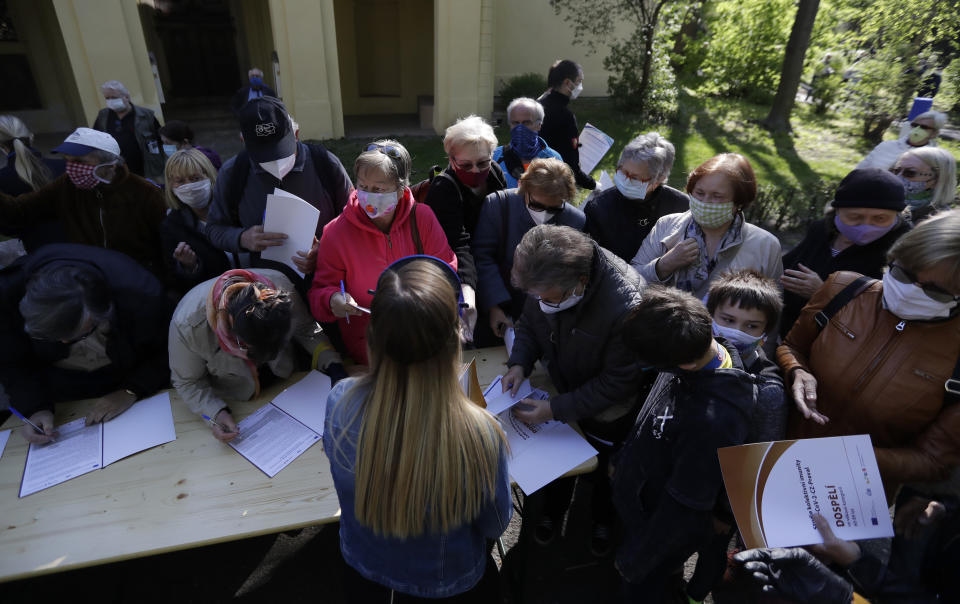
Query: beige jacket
[[754, 248], [205, 376]]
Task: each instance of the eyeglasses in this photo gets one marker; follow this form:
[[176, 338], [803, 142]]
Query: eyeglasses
[[528, 123], [924, 126], [566, 295], [912, 172], [388, 150], [933, 291], [481, 165], [536, 206]]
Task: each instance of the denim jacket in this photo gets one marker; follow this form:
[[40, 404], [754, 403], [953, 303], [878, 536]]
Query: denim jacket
[[427, 566]]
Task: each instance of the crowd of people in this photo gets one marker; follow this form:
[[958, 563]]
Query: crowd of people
[[669, 326]]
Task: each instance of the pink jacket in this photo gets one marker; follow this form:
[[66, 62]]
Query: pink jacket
[[354, 249]]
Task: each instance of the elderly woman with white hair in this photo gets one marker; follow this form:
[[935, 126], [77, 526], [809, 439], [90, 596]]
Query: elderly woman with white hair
[[525, 117], [619, 218], [457, 193], [929, 177], [923, 131], [135, 128]]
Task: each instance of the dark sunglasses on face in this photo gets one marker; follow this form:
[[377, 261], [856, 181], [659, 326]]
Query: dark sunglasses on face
[[932, 291], [924, 126], [911, 172], [388, 150], [536, 206], [481, 165]]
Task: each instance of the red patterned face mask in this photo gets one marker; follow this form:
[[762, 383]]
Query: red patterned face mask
[[82, 175]]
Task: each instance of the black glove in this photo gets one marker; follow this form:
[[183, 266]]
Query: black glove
[[795, 574], [335, 372]]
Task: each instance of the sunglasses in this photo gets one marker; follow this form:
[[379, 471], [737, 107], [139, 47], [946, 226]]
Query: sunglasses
[[932, 291], [924, 126], [388, 150], [536, 206], [911, 172], [481, 165]]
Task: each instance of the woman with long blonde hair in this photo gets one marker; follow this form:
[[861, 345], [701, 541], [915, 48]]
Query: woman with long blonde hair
[[420, 470]]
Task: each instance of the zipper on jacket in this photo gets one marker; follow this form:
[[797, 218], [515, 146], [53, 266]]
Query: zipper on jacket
[[103, 228], [881, 356], [389, 243]]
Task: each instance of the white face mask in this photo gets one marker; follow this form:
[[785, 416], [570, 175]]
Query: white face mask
[[907, 301], [377, 204], [117, 105], [280, 167], [194, 194], [570, 302], [576, 91], [538, 217], [744, 342], [630, 188]]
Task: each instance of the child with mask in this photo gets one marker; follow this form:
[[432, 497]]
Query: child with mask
[[667, 484]]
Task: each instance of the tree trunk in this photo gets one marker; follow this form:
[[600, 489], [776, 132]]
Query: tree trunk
[[648, 36], [778, 120]]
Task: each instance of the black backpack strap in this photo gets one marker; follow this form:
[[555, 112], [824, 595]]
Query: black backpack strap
[[236, 183], [324, 168], [845, 295], [456, 185], [415, 230]]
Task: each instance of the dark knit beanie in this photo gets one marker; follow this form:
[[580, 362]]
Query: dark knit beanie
[[872, 188]]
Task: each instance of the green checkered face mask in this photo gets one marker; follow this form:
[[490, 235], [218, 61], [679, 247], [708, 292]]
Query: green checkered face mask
[[711, 215]]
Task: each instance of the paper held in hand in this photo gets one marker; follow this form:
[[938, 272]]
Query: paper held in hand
[[775, 489], [287, 213], [594, 144]]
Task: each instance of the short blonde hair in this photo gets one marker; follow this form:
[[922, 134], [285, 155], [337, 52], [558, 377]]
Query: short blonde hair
[[470, 130], [944, 166], [184, 163], [550, 177], [933, 241]]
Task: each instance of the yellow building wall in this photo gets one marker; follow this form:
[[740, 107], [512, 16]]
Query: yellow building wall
[[305, 35], [254, 37], [457, 70], [530, 36]]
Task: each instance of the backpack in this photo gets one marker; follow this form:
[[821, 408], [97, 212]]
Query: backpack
[[237, 181]]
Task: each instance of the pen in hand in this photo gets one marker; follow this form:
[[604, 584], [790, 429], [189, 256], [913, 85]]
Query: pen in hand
[[225, 429], [343, 292], [21, 416]]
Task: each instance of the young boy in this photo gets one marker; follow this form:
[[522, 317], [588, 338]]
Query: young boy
[[745, 307], [667, 479]]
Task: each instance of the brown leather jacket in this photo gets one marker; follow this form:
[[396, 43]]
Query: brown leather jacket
[[882, 376]]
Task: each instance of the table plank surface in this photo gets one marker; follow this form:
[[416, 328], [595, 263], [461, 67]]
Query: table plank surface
[[191, 492]]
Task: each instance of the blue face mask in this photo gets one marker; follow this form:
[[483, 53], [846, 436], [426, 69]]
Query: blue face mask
[[256, 82], [169, 150], [744, 342], [524, 141]]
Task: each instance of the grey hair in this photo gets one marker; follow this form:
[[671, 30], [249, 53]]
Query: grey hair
[[115, 85], [470, 130], [397, 168], [932, 242], [59, 299], [654, 151], [251, 71], [551, 256], [939, 119], [529, 103], [944, 165]]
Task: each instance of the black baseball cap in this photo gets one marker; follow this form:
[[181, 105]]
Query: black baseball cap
[[267, 132]]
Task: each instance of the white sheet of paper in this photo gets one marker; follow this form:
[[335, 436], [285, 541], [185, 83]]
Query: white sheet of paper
[[287, 213], [306, 401], [146, 424], [775, 488], [77, 450], [508, 337], [604, 182], [541, 453], [4, 437], [594, 144], [270, 439], [499, 401]]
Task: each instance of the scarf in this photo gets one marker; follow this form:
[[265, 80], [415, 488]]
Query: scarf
[[224, 289], [690, 278]]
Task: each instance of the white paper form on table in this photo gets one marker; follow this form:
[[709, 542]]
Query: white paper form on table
[[594, 144], [498, 402], [271, 439], [287, 213], [541, 453], [4, 437], [306, 401]]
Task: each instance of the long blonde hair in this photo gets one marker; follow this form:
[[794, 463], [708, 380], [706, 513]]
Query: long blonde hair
[[15, 136], [427, 457]]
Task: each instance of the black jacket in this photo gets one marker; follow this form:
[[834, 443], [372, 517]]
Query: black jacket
[[667, 478], [814, 253], [560, 131], [620, 224], [11, 184], [136, 343], [457, 209], [596, 375], [182, 225]]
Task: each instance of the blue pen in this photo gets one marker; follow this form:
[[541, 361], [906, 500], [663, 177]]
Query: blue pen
[[212, 421], [343, 292], [20, 415]]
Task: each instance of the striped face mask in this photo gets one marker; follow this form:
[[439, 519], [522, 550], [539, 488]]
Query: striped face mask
[[711, 215]]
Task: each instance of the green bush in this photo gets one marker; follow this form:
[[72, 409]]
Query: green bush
[[659, 103], [784, 206], [529, 85]]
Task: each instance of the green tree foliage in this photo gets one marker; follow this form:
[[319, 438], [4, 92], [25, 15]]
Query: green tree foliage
[[530, 85]]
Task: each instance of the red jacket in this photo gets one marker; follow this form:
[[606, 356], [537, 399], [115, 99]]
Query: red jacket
[[355, 250]]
